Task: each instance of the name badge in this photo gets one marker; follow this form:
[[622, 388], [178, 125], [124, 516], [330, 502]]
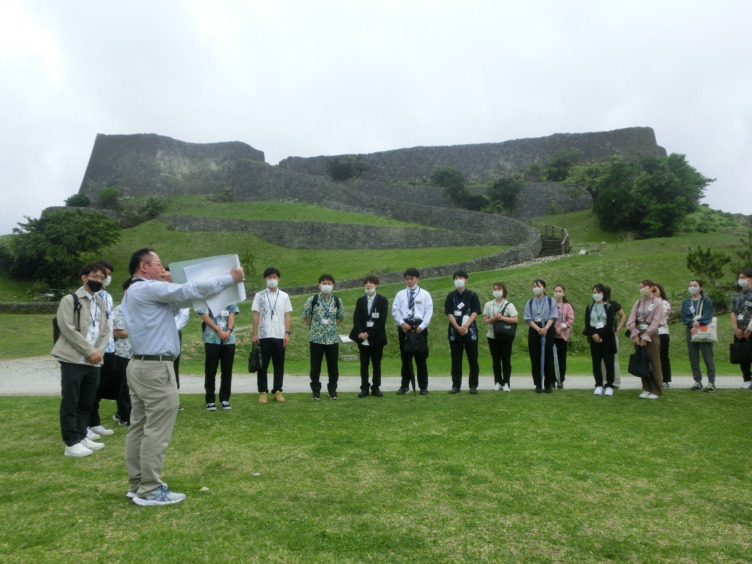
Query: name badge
[[643, 326], [691, 309], [739, 316], [418, 302], [564, 326], [460, 306], [225, 313], [375, 315], [650, 307], [369, 323], [538, 319], [325, 321], [598, 325], [457, 313]]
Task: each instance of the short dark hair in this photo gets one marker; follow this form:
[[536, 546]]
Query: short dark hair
[[137, 258], [106, 264], [92, 267], [540, 282], [271, 270], [371, 278], [412, 272], [325, 277], [460, 273]]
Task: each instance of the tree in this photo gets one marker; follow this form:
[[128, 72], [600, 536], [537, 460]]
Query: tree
[[50, 248], [592, 177], [453, 182], [109, 198], [505, 191], [78, 201], [448, 177], [744, 254], [557, 168], [707, 264]]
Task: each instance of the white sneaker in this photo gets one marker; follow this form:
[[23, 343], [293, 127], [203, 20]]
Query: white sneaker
[[598, 391], [159, 496], [497, 386], [652, 396], [78, 451], [91, 445], [747, 385], [506, 388], [644, 395], [609, 392], [99, 429], [91, 435]]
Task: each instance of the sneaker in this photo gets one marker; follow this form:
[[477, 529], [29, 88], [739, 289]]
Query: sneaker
[[278, 397], [598, 391], [497, 386], [652, 396], [696, 386], [401, 391], [667, 384], [423, 392], [473, 391], [262, 397], [116, 418], [710, 387], [506, 388], [333, 395], [124, 424], [316, 396], [225, 405], [608, 392], [747, 385], [454, 390], [211, 407], [547, 390], [538, 390], [363, 394], [180, 407], [91, 435], [77, 451], [99, 430], [130, 495], [159, 496], [377, 392], [644, 394], [91, 445]]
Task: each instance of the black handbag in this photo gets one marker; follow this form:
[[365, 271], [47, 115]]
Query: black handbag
[[254, 359], [740, 352], [416, 345], [503, 330], [639, 363]]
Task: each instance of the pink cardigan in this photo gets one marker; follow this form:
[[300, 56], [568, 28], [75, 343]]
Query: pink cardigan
[[566, 313]]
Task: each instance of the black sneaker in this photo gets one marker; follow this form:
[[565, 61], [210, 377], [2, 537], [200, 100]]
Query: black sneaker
[[401, 391], [424, 392], [211, 407], [697, 386], [316, 396], [547, 390], [333, 395], [710, 387], [376, 392], [363, 394], [538, 390], [473, 391], [454, 391]]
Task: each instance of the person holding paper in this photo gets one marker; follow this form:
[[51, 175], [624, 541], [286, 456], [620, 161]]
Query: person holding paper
[[323, 312], [461, 307], [149, 309], [369, 331], [271, 331], [219, 347]]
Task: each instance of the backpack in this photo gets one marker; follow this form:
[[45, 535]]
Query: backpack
[[76, 319], [316, 300]]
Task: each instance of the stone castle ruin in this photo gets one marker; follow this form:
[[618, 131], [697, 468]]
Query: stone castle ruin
[[393, 184]]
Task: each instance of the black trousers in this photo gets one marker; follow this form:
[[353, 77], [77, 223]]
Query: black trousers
[[665, 361], [124, 397], [106, 375], [470, 348], [561, 356], [78, 387], [370, 355], [601, 352], [407, 372], [318, 352], [223, 356], [534, 349], [272, 350], [501, 355], [745, 367]]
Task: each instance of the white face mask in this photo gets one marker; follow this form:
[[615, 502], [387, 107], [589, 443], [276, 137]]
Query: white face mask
[[370, 291], [272, 283], [646, 292], [597, 297], [743, 282], [107, 281], [558, 294], [459, 283], [537, 290], [498, 294], [693, 290], [326, 288]]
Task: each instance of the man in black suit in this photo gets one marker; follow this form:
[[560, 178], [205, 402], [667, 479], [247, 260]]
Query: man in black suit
[[369, 332]]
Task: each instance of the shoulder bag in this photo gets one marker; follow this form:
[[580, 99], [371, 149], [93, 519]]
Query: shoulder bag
[[503, 330], [639, 363], [706, 333]]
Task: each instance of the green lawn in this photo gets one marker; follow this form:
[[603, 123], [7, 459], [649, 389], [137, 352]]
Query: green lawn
[[490, 478]]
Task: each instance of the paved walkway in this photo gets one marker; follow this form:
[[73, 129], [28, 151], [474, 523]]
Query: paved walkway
[[40, 376]]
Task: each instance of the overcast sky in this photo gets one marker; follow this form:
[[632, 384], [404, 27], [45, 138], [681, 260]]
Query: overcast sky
[[306, 78]]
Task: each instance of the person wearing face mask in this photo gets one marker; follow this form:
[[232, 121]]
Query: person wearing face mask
[[462, 307], [499, 309], [643, 323], [108, 387], [323, 312], [219, 347], [369, 331], [271, 331], [412, 310], [663, 335], [696, 312], [741, 315], [619, 323], [84, 335], [541, 314], [599, 324], [562, 326]]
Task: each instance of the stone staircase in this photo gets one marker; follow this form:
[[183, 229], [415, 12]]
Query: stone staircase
[[554, 241]]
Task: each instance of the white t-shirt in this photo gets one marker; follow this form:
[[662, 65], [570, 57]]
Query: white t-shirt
[[272, 307], [492, 308]]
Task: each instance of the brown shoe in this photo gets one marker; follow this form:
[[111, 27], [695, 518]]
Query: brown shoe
[[278, 397], [262, 397]]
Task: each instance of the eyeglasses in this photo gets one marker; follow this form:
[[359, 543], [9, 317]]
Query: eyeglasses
[[97, 277]]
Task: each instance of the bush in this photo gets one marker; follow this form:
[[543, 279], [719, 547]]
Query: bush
[[224, 195], [137, 211], [78, 201], [346, 168], [505, 191], [109, 198]]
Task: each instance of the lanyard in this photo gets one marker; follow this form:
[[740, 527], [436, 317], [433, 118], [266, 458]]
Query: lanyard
[[272, 307]]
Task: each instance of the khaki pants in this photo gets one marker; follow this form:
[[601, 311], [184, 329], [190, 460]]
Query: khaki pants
[[654, 384], [154, 407]]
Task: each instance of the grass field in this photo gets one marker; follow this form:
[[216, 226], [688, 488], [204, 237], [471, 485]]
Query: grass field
[[489, 478]]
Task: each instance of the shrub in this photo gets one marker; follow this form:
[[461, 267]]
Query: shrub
[[78, 201], [137, 211], [109, 198]]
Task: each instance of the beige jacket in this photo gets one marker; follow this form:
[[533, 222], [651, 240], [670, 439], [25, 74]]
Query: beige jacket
[[72, 346]]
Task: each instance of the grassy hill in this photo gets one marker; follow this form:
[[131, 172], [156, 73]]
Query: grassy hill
[[619, 263]]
